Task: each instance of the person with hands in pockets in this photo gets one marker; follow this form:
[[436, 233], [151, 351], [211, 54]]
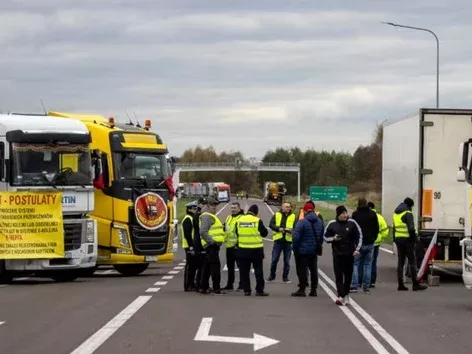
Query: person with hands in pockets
[[345, 235]]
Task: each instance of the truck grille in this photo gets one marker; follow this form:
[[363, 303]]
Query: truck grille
[[72, 236], [148, 242]]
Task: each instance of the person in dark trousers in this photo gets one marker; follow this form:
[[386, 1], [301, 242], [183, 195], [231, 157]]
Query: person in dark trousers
[[307, 236], [231, 243], [250, 230], [187, 231], [345, 235], [197, 244], [367, 219], [282, 224], [212, 236], [404, 236]]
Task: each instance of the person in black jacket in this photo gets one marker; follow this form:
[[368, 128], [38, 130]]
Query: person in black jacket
[[188, 232], [197, 243], [367, 219], [345, 235]]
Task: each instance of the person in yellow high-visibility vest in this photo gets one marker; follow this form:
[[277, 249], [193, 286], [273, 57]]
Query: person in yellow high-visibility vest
[[404, 236], [188, 237], [282, 224], [212, 236], [231, 242], [250, 230]]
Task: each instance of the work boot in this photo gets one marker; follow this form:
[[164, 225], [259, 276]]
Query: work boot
[[299, 293], [419, 287], [402, 287], [262, 293], [313, 293], [228, 287]]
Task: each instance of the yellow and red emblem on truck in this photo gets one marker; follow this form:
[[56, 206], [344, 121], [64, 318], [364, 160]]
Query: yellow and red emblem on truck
[[151, 211]]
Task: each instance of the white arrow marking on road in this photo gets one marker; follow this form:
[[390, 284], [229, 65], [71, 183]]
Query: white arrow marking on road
[[1, 323], [258, 341]]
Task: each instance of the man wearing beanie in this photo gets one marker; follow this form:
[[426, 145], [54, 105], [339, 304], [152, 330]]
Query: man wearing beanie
[[250, 230], [345, 235], [307, 236], [404, 236]]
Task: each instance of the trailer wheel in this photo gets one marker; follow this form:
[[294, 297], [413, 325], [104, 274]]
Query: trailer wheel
[[131, 270], [65, 277], [5, 277]]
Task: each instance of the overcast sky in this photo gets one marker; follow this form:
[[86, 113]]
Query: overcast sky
[[241, 75]]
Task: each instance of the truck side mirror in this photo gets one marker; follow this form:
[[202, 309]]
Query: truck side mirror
[[2, 161], [460, 177]]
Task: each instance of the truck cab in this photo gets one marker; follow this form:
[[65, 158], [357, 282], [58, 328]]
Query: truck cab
[[464, 175], [38, 154], [134, 197]]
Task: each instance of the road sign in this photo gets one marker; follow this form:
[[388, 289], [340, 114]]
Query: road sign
[[328, 194], [258, 341]]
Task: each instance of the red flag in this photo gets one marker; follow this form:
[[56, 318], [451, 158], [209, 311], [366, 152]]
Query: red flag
[[170, 186], [98, 181], [429, 256]]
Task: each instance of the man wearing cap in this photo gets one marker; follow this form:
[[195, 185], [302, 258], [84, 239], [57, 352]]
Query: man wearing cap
[[250, 230], [231, 243], [307, 237], [187, 231], [212, 236], [282, 224], [404, 236], [197, 244], [345, 235]]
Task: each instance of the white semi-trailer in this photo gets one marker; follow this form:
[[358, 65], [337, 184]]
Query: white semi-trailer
[[419, 160]]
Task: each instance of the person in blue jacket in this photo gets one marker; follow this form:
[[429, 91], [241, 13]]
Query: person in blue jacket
[[307, 236]]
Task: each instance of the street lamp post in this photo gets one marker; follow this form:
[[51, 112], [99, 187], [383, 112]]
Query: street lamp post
[[437, 52]]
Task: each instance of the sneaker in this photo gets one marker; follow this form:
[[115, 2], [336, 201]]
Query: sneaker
[[263, 293], [313, 293], [299, 293], [419, 287], [402, 288], [347, 300], [339, 301], [219, 292], [372, 285], [228, 287], [287, 281], [270, 279], [353, 289], [240, 288], [247, 294], [366, 291]]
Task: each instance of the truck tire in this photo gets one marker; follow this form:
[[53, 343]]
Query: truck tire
[[5, 277], [131, 270], [65, 277]]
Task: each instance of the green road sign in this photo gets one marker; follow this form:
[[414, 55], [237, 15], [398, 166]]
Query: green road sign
[[328, 194]]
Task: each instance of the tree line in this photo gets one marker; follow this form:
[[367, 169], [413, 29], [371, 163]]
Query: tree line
[[360, 171]]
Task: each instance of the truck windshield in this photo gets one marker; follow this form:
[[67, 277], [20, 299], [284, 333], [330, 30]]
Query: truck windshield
[[133, 165], [46, 164]]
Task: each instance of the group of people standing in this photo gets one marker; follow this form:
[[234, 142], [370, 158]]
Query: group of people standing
[[355, 244]]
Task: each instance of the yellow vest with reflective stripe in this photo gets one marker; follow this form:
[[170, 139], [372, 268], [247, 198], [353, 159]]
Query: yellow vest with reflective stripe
[[231, 239], [289, 225], [401, 229], [184, 241], [216, 232], [248, 232], [383, 227]]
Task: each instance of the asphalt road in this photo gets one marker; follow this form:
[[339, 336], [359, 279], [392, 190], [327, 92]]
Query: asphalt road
[[110, 314]]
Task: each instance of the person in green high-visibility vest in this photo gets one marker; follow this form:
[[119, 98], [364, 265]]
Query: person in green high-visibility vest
[[231, 245]]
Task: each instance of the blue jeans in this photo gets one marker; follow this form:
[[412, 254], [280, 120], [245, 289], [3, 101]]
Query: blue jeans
[[279, 247], [366, 256], [373, 278]]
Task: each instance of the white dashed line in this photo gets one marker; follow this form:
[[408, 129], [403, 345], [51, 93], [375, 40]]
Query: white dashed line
[[179, 268], [386, 250], [173, 272], [160, 283], [167, 277], [153, 290]]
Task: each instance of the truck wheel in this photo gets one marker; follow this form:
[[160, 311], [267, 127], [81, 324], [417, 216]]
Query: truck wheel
[[131, 270], [65, 277], [5, 277]]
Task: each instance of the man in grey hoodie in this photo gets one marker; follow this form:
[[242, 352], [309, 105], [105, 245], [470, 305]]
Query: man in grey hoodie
[[404, 236]]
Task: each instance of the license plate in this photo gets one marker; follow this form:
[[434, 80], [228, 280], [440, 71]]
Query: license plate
[[150, 258]]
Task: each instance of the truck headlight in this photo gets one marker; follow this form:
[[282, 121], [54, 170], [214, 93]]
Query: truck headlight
[[90, 231], [122, 236]]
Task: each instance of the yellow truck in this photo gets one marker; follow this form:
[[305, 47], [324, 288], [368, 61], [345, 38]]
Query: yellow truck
[[133, 196]]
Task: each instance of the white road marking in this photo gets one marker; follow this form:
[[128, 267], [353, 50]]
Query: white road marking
[[236, 269], [173, 272], [179, 268], [219, 211], [258, 341], [386, 250], [375, 325], [98, 338], [370, 320], [160, 283], [2, 322], [167, 277], [153, 290], [22, 279]]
